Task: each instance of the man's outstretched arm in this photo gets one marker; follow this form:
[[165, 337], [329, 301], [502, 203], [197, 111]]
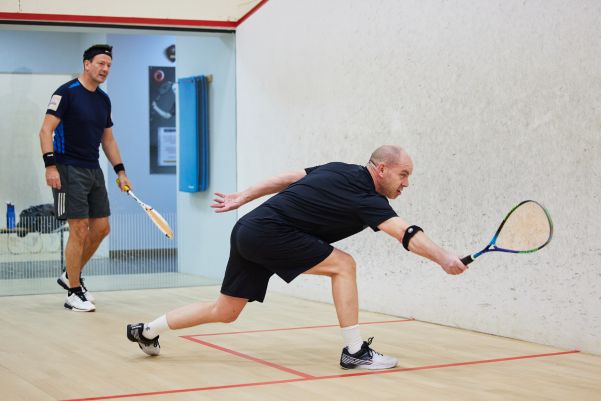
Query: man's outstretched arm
[[227, 202], [423, 246]]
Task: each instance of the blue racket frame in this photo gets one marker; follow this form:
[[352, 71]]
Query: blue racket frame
[[492, 247]]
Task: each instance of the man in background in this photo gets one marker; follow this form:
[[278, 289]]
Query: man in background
[[78, 120]]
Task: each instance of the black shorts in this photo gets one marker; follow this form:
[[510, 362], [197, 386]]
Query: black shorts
[[82, 194], [256, 253]]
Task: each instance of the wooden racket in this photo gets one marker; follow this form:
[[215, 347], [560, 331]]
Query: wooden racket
[[155, 216]]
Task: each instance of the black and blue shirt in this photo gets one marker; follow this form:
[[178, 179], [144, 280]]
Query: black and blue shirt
[[84, 116]]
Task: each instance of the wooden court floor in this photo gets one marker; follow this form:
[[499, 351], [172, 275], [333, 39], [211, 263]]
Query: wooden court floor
[[285, 349]]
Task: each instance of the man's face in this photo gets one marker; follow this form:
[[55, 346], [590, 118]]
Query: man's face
[[394, 177], [98, 68]]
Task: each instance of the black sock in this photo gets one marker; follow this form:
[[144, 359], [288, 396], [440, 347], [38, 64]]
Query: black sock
[[76, 290]]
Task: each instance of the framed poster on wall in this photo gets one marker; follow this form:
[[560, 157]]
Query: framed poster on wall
[[161, 104]]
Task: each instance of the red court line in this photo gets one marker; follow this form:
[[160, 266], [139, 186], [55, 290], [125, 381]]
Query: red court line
[[251, 12], [293, 328], [142, 21], [300, 379], [251, 358], [263, 361], [100, 19], [450, 365]]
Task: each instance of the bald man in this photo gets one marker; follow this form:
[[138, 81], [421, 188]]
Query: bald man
[[290, 234]]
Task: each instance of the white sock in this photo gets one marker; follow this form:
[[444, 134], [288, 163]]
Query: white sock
[[352, 338], [154, 328]]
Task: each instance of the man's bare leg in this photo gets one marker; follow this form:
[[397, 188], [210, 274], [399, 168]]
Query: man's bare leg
[[342, 269], [98, 229], [357, 354]]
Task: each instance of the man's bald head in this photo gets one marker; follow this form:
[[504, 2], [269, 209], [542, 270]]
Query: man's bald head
[[390, 167], [388, 154]]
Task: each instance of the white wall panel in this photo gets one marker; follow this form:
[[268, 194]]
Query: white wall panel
[[496, 101]]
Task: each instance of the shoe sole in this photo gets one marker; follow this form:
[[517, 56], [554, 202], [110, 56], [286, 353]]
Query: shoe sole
[[368, 367], [149, 353], [67, 306]]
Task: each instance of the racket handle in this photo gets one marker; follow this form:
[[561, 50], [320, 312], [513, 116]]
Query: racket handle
[[125, 187], [467, 260]]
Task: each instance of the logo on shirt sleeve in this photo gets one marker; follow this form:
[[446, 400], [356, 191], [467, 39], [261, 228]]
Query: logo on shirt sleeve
[[55, 100]]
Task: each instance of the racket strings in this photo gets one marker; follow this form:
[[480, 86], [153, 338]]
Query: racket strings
[[527, 228], [160, 222]]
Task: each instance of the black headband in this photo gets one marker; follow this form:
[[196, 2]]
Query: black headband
[[96, 50]]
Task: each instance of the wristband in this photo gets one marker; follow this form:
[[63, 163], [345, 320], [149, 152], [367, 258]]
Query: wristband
[[49, 159], [409, 233], [118, 167]]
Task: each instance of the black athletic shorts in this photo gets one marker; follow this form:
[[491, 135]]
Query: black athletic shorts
[[258, 252], [82, 194]]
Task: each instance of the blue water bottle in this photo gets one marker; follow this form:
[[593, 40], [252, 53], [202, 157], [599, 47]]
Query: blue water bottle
[[10, 216]]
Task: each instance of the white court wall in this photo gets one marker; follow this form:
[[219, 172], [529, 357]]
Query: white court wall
[[496, 101]]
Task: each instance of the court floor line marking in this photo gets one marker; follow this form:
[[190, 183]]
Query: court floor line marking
[[251, 358], [451, 365], [295, 328], [301, 379]]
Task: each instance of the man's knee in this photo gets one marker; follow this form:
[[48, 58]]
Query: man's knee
[[229, 317], [348, 264], [344, 264], [100, 228], [338, 263], [78, 229], [226, 311], [103, 231]]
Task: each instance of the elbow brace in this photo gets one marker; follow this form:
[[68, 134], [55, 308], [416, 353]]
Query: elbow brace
[[409, 233]]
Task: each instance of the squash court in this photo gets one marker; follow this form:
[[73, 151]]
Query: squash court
[[497, 102], [286, 348]]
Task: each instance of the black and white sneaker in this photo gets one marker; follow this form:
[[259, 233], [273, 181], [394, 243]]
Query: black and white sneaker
[[87, 293], [63, 281], [366, 358], [77, 302], [134, 334]]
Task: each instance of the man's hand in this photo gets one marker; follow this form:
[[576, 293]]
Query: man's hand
[[275, 184], [123, 182], [452, 265], [53, 178], [227, 202]]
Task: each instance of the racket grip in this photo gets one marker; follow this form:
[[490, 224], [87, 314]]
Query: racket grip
[[467, 260], [125, 187]]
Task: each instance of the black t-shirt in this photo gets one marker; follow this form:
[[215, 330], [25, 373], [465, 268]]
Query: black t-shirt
[[332, 202], [84, 115]]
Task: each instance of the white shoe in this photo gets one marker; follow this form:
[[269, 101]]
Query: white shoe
[[63, 281], [77, 302], [87, 293], [366, 358]]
